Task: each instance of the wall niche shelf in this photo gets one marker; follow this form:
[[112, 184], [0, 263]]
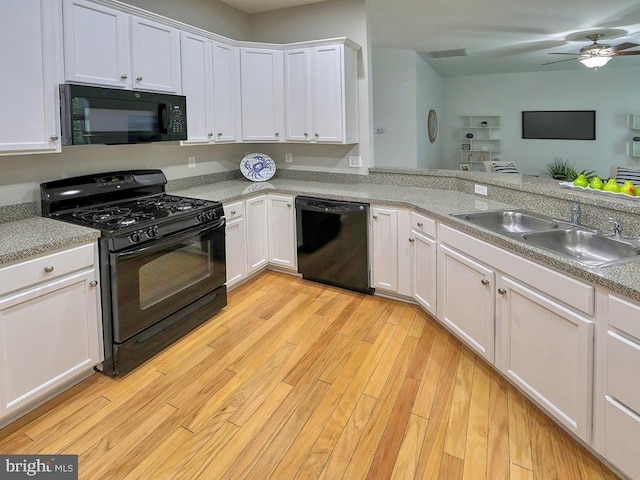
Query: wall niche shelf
[[635, 125], [483, 144]]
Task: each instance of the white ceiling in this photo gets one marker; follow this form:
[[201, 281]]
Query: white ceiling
[[500, 36]]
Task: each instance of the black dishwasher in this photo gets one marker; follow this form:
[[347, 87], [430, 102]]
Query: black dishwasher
[[333, 242]]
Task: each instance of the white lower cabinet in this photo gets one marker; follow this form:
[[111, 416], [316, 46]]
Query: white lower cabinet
[[467, 299], [256, 231], [547, 350], [282, 231], [391, 246], [235, 244], [424, 265], [621, 406], [50, 330]]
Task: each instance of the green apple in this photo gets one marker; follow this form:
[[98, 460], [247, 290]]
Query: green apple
[[596, 183], [611, 186], [629, 188], [581, 181]]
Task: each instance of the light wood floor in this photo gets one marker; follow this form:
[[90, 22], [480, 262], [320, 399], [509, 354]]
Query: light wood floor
[[298, 380]]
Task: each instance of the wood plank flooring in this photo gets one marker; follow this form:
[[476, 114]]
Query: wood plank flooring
[[296, 380]]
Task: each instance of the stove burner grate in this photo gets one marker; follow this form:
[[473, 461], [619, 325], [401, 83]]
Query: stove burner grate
[[168, 202], [112, 216]]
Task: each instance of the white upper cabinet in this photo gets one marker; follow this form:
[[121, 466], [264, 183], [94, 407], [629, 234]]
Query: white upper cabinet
[[321, 94], [197, 86], [226, 95], [107, 47], [262, 93], [31, 54], [155, 55]]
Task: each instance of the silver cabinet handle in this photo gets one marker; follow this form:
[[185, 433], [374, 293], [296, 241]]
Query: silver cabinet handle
[[420, 224], [123, 76], [219, 134], [138, 79], [484, 281], [48, 269], [316, 135], [277, 134], [288, 204], [54, 138], [233, 212], [502, 291], [374, 216], [412, 240], [306, 134], [93, 283], [210, 134]]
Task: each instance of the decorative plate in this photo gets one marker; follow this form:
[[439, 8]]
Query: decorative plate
[[257, 167], [598, 192]]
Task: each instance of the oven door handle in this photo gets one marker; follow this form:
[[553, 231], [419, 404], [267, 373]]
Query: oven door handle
[[210, 226]]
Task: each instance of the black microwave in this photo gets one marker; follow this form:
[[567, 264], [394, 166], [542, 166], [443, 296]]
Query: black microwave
[[96, 115]]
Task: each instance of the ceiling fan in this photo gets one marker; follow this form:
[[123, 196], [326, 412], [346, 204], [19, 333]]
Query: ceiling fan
[[597, 54]]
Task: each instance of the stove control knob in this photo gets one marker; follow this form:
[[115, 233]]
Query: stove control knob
[[210, 215], [152, 232], [199, 218], [135, 237]]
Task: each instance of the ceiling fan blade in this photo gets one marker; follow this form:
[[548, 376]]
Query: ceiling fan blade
[[627, 53], [559, 61], [623, 46]]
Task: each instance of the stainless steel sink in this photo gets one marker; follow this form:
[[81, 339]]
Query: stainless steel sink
[[512, 221], [585, 246]]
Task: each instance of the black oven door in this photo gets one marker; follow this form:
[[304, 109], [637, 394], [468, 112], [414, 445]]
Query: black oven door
[[155, 281]]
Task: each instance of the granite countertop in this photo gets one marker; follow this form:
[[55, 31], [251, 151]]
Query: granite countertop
[[438, 204], [36, 235], [21, 239]]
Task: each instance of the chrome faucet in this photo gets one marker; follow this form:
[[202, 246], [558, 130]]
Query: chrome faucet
[[575, 213], [617, 231]]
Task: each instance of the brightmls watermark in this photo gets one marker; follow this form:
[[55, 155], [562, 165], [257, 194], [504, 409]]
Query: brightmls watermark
[[49, 467]]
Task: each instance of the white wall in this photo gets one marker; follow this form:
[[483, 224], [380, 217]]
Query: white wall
[[612, 92], [405, 88]]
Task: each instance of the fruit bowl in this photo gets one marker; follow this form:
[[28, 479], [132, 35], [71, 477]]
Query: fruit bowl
[[598, 192]]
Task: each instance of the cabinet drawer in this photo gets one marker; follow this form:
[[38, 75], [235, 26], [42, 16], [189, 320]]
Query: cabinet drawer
[[233, 210], [622, 436], [46, 267], [423, 224], [624, 316], [623, 365]]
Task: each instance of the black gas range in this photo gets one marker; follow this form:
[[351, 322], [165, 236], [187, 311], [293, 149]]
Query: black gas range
[[162, 258]]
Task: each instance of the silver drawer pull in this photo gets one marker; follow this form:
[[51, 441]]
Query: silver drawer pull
[[374, 216], [420, 224], [502, 291], [48, 269], [412, 240], [54, 138], [93, 283], [123, 76], [288, 204], [484, 281], [233, 212], [138, 79]]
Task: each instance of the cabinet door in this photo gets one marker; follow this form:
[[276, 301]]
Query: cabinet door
[[298, 94], [48, 335], [155, 54], [256, 225], [546, 349], [282, 231], [96, 44], [31, 54], [467, 299], [328, 93], [226, 98], [236, 252], [424, 271], [262, 93], [384, 228], [196, 85]]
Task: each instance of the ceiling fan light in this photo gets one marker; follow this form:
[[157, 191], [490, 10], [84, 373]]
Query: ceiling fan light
[[595, 61]]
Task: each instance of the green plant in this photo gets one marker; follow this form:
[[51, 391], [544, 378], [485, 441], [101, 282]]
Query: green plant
[[562, 169]]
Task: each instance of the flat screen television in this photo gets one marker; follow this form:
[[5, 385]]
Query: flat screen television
[[559, 125]]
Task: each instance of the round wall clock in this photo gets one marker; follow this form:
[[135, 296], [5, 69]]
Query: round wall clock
[[432, 125]]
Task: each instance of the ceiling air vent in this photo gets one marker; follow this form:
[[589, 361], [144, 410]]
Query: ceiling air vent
[[458, 52]]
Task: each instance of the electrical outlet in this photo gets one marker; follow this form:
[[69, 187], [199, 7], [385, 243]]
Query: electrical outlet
[[288, 157], [192, 162], [481, 190], [355, 161]]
